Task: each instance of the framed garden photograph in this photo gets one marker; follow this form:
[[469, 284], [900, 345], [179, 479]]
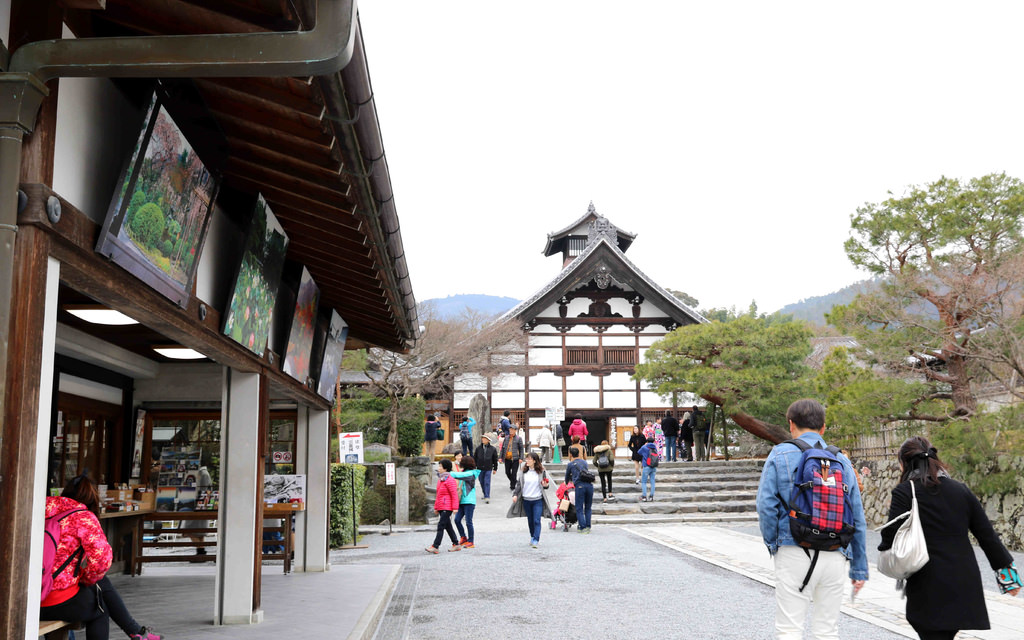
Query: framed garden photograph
[[334, 349], [300, 337], [247, 318], [157, 220]]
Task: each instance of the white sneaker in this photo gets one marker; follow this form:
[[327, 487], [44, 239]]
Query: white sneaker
[[637, 481]]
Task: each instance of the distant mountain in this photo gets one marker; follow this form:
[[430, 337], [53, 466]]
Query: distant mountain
[[454, 306], [813, 309]]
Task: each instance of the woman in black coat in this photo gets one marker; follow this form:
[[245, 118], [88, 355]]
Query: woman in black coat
[[945, 595]]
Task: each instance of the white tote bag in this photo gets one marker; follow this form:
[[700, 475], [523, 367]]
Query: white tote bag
[[909, 551]]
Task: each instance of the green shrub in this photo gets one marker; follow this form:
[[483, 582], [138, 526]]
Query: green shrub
[[376, 507], [167, 248], [342, 514], [138, 199], [148, 224], [369, 414]]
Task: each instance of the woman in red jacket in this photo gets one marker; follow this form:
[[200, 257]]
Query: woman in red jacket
[[74, 596], [446, 501], [81, 493]]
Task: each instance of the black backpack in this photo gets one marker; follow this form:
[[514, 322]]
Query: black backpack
[[602, 461]]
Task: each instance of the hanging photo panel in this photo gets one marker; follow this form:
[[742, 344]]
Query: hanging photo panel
[[300, 337], [156, 224], [334, 349], [247, 318]]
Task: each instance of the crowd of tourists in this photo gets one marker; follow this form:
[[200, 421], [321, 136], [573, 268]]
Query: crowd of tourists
[[809, 508]]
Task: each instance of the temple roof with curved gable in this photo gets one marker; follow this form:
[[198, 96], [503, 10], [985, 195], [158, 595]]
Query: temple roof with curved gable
[[581, 228]]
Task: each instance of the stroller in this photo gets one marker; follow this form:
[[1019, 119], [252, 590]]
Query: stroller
[[567, 517]]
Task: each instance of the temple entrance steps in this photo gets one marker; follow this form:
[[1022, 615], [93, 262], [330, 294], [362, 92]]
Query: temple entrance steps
[[691, 492]]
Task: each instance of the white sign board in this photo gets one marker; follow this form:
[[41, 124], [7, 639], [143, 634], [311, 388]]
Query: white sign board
[[350, 448], [389, 473], [554, 414]]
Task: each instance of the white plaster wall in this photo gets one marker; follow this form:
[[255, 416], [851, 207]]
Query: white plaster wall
[[647, 340], [508, 381], [619, 341], [221, 236], [648, 310], [619, 305], [545, 381], [539, 399], [582, 341], [582, 399], [642, 354], [623, 399], [582, 329], [619, 380], [508, 359], [545, 341], [626, 421], [97, 128], [548, 311], [508, 399], [536, 422], [575, 307], [582, 381], [194, 382], [470, 381], [546, 357], [461, 399], [545, 328], [89, 389], [651, 399]]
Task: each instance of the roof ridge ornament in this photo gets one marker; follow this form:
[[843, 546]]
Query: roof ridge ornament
[[599, 227]]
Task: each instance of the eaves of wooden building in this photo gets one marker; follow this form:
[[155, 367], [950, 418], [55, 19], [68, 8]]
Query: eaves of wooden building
[[273, 101]]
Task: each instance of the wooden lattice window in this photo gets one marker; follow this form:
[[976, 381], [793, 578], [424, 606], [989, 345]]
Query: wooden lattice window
[[580, 355], [625, 356], [517, 417]]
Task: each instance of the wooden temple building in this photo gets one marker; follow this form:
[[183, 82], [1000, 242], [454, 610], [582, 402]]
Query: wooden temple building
[[214, 173], [588, 328]]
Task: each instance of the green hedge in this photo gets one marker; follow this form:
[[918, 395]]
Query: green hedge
[[341, 501]]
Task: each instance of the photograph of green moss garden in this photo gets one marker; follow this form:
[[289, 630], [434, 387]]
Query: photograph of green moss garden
[[156, 225]]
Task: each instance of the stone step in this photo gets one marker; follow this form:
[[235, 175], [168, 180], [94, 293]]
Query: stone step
[[678, 496], [660, 506], [675, 518], [685, 485]]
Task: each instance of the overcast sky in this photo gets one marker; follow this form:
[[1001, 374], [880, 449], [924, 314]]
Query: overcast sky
[[734, 138]]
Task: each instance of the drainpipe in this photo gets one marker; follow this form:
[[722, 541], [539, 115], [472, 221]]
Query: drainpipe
[[322, 50], [20, 97]]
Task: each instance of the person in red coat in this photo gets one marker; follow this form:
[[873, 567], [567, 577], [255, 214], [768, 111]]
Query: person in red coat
[[945, 595], [445, 501], [579, 428]]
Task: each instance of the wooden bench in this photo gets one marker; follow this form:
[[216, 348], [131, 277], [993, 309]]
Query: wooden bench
[[55, 629]]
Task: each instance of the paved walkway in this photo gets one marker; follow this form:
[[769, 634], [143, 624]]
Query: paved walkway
[[669, 580]]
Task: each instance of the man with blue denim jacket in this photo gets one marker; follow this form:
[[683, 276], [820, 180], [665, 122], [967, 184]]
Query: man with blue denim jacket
[[827, 582]]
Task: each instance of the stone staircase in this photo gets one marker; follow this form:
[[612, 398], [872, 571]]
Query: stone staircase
[[693, 492]]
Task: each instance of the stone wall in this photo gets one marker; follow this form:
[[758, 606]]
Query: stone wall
[[1006, 511]]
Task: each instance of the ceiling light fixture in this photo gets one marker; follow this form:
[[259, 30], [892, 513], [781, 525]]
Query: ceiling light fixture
[[179, 353], [98, 314]]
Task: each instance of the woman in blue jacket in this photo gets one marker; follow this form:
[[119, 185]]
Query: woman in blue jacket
[[467, 500]]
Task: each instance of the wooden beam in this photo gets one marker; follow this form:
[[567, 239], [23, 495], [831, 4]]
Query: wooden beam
[[87, 5], [289, 93], [171, 17], [237, 127], [265, 111], [19, 427], [72, 242]]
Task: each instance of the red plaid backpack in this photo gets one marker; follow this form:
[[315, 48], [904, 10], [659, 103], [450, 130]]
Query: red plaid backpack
[[820, 515]]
